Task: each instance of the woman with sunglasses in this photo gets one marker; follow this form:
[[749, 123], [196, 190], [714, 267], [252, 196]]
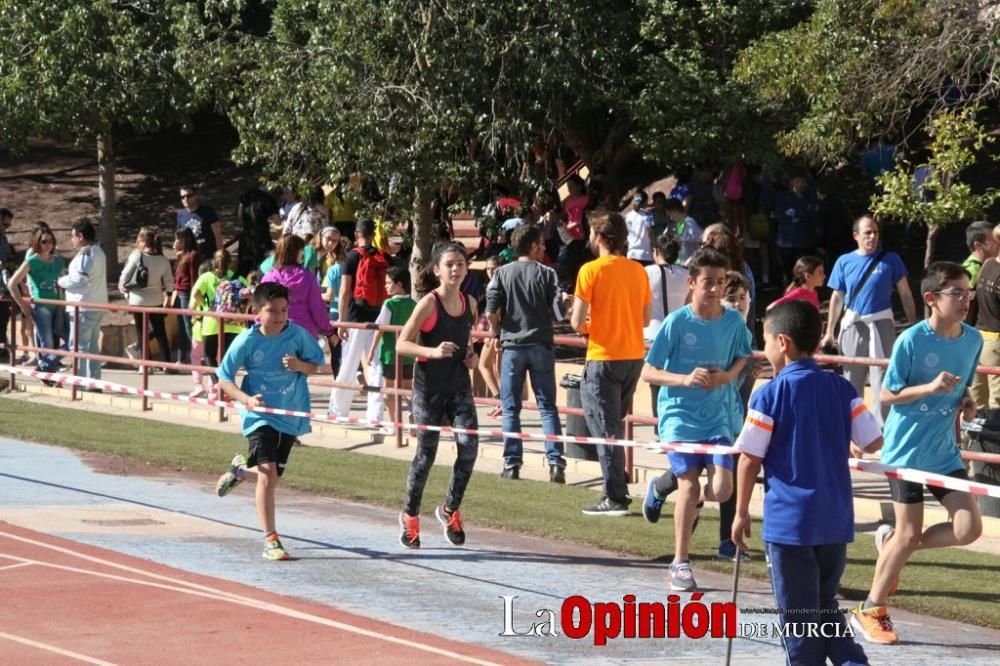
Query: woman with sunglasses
[[42, 267]]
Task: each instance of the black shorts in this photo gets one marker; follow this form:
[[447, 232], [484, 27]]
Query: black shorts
[[909, 492], [389, 371], [267, 445]]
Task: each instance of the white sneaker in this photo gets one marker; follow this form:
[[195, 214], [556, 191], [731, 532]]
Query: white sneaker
[[132, 351], [387, 430], [681, 578]]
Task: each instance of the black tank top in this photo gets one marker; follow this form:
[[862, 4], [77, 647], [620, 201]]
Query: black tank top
[[445, 375]]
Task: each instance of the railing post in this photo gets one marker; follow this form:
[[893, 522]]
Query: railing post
[[629, 452], [144, 347], [397, 399], [219, 349], [12, 347], [76, 350]]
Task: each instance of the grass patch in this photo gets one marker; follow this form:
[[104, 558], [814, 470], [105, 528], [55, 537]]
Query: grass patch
[[949, 583]]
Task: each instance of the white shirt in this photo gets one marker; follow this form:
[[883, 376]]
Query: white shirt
[[87, 278], [677, 291], [640, 245]]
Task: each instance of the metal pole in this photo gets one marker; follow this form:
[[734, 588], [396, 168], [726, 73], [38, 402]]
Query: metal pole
[[76, 349], [145, 354], [12, 347], [397, 399], [736, 586], [629, 453]]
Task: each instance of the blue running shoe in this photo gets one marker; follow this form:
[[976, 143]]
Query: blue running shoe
[[653, 504]]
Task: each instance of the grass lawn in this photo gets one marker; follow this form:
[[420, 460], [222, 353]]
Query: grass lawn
[[947, 583]]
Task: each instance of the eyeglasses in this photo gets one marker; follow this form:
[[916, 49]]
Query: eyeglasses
[[957, 294], [48, 241]]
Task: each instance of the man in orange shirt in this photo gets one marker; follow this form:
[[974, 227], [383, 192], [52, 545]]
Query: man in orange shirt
[[615, 293]]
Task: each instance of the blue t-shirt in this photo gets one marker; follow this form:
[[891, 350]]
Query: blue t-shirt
[[876, 295], [921, 434], [332, 280], [802, 423], [796, 220], [260, 355], [683, 343]]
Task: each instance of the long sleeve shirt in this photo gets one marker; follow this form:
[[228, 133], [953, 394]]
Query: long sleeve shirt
[[87, 278]]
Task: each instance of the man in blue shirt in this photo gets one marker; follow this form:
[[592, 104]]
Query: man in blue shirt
[[868, 328], [799, 428], [277, 356], [796, 215]]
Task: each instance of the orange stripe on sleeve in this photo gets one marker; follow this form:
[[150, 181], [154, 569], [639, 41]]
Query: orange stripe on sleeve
[[858, 411], [760, 424]]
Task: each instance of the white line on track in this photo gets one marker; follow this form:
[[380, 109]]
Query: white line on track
[[185, 587], [52, 648], [15, 566]]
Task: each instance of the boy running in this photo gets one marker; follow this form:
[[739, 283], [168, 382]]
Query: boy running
[[696, 357], [799, 429], [927, 382], [277, 356]]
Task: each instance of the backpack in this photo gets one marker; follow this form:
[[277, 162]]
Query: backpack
[[369, 282], [228, 296]]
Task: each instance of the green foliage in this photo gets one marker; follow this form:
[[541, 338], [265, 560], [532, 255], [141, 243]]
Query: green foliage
[[75, 70], [955, 139]]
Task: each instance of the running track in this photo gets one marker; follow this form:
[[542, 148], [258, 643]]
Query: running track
[[61, 598]]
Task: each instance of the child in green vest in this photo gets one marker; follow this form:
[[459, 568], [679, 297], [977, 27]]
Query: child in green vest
[[396, 309]]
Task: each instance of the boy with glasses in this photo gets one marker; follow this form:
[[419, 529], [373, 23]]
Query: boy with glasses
[[927, 385]]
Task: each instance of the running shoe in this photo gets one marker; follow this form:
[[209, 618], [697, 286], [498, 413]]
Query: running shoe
[[681, 577], [728, 551], [233, 477], [274, 551], [653, 503], [452, 522], [882, 535], [874, 624], [607, 507], [410, 526]]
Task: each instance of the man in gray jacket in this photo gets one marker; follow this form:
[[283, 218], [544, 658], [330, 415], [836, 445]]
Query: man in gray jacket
[[522, 300], [86, 282]]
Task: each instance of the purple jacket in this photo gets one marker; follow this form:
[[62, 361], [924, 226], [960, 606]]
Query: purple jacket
[[305, 306]]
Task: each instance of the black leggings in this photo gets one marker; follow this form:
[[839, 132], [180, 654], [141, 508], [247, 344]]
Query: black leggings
[[157, 331], [210, 345]]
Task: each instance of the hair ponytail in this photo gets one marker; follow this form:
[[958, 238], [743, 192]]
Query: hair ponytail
[[803, 267]]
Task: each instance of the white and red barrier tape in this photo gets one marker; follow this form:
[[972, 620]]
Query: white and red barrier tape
[[867, 466]]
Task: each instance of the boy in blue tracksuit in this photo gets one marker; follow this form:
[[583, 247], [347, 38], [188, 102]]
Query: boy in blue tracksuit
[[799, 428], [277, 356]]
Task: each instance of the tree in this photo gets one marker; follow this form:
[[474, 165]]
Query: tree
[[76, 71], [941, 198]]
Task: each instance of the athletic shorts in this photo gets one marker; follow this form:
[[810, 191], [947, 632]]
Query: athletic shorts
[[910, 492], [684, 462], [267, 445], [389, 371]]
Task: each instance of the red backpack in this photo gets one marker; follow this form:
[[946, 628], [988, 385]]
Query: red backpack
[[369, 282]]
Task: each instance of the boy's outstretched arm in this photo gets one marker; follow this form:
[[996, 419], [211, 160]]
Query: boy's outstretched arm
[[746, 479], [295, 364], [251, 402], [943, 383], [699, 377]]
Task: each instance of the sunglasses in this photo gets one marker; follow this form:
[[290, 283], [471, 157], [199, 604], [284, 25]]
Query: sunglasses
[[48, 241]]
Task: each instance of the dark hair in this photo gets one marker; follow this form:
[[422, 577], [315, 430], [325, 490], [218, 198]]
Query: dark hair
[[287, 251], [977, 232], [798, 320], [253, 277], [255, 207], [734, 281], [641, 195], [673, 206], [577, 182], [611, 229], [706, 258], [366, 227], [668, 247], [523, 238], [400, 276], [222, 262], [5, 214], [317, 199], [36, 238], [857, 223], [659, 196], [427, 280], [205, 267], [939, 273], [190, 188], [718, 237], [804, 266], [267, 292], [188, 242], [86, 229]]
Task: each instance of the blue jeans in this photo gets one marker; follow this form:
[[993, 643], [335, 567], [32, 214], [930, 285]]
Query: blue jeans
[[44, 317], [184, 340], [89, 336], [540, 362], [807, 578]]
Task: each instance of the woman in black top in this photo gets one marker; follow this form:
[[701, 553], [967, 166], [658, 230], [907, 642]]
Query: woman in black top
[[438, 335]]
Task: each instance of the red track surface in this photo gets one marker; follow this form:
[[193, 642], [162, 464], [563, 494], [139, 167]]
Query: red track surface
[[66, 603]]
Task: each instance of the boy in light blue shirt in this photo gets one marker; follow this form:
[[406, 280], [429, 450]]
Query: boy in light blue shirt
[[277, 356], [696, 357], [927, 385]]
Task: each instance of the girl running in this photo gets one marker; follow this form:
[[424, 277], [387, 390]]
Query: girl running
[[438, 335]]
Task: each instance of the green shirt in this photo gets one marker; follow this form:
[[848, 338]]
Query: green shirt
[[42, 275], [972, 265], [396, 311], [205, 288]]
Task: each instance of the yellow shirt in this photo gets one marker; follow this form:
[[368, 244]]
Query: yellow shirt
[[617, 291]]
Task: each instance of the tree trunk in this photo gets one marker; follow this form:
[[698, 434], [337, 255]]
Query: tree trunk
[[933, 231], [107, 231], [423, 225]]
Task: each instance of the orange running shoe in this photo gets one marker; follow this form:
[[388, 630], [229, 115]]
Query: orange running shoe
[[452, 522], [410, 526], [874, 624], [882, 535]]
